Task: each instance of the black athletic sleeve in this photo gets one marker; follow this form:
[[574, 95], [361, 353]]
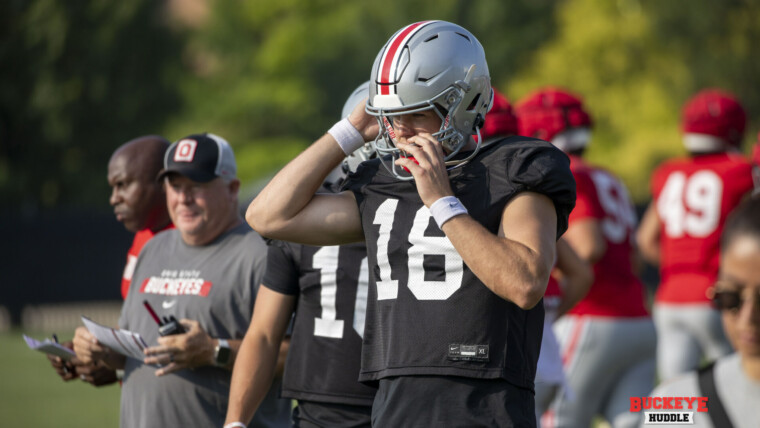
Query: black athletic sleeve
[[282, 268], [537, 166]]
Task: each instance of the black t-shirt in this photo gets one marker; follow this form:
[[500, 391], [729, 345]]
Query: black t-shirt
[[325, 346], [427, 313]]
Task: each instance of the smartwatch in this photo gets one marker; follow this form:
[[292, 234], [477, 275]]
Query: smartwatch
[[222, 353]]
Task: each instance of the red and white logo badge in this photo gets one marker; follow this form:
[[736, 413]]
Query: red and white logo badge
[[185, 151], [669, 410], [176, 286]]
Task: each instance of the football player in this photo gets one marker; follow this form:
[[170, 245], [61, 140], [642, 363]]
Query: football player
[[460, 238], [328, 287], [569, 282], [608, 339], [680, 231]]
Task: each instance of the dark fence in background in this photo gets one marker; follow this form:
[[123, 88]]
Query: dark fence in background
[[66, 256]]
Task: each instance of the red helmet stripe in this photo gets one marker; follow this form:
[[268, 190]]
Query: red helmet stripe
[[392, 53]]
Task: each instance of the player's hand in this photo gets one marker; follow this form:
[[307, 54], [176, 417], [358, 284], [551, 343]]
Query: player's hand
[[97, 374], [428, 167], [65, 369], [87, 347], [191, 349], [363, 122]]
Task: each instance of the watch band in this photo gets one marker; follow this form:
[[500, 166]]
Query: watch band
[[222, 353]]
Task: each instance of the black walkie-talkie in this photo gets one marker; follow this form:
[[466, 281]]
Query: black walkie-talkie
[[166, 327], [170, 326]]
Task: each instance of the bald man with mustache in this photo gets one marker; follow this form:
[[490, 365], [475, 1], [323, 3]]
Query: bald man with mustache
[[139, 203]]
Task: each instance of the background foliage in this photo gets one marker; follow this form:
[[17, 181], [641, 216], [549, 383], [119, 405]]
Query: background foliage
[[79, 78]]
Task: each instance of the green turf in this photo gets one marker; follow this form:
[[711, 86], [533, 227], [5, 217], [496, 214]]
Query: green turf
[[32, 394]]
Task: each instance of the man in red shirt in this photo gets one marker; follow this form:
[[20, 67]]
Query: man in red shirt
[[607, 340], [137, 198], [680, 231], [139, 202]]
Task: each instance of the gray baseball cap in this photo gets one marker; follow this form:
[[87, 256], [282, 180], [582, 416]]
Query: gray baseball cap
[[201, 158]]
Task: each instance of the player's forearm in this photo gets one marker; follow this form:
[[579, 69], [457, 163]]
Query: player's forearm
[[649, 250], [293, 187], [251, 377], [577, 276], [648, 236], [510, 269], [575, 290], [586, 238]]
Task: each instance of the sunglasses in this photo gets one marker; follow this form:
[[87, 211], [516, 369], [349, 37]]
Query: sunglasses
[[730, 300]]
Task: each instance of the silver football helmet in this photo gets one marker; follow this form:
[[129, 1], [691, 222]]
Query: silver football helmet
[[367, 151], [431, 65]]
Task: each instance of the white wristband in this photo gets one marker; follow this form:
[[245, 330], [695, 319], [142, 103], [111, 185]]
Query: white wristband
[[235, 425], [348, 138], [445, 208]]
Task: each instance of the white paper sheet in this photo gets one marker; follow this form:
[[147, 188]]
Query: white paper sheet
[[124, 342], [49, 347]]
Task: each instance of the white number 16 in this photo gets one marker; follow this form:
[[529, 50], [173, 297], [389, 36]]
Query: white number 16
[[421, 246]]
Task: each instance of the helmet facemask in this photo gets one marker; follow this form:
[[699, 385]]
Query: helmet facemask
[[449, 106]]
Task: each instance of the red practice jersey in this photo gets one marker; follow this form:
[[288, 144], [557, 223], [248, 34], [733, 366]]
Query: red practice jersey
[[616, 291], [141, 237], [693, 197]]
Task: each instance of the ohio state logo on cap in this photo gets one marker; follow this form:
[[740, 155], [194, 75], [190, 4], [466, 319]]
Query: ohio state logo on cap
[[185, 151]]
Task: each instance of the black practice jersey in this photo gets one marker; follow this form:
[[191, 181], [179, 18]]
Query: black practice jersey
[[325, 346], [427, 313]]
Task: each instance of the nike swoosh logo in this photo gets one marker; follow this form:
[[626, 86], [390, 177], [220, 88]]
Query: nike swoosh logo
[[167, 305]]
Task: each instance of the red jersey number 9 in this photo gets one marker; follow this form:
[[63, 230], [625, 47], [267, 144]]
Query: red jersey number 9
[[620, 219]]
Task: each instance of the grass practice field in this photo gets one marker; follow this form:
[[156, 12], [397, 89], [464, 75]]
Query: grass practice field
[[32, 394]]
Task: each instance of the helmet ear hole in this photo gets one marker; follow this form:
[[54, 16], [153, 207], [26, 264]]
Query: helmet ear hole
[[474, 104], [479, 122]]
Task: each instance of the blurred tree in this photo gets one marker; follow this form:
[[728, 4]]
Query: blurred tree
[[636, 62], [76, 80], [272, 77]]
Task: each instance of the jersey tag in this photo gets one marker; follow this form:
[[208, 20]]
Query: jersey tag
[[461, 352]]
